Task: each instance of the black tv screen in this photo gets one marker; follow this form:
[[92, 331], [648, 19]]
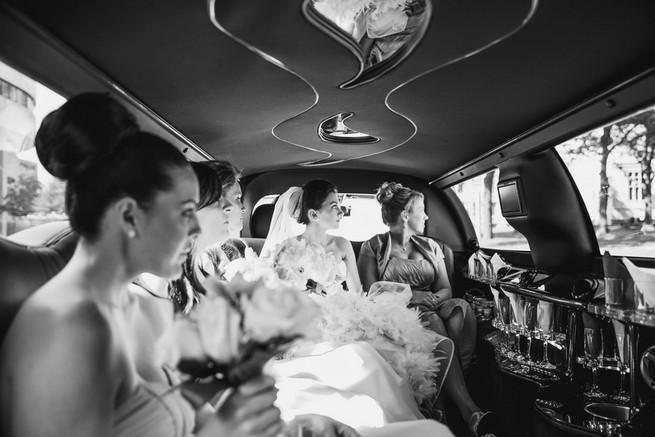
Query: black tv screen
[[510, 195]]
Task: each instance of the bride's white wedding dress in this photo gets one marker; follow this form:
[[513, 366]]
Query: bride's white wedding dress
[[352, 383]]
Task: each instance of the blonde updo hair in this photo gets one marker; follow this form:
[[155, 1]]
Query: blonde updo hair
[[394, 199]]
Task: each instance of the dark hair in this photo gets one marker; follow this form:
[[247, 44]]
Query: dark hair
[[314, 194], [394, 198], [92, 142], [214, 178], [81, 132]]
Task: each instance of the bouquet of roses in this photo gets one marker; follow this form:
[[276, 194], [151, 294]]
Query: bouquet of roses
[[234, 330], [307, 266]]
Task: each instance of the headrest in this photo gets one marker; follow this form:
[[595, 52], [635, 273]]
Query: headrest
[[23, 269], [261, 220]]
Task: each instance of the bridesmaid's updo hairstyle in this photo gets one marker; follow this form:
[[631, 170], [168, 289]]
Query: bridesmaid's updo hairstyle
[[314, 194], [94, 144], [394, 199]]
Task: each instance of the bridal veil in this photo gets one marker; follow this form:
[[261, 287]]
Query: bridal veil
[[284, 223]]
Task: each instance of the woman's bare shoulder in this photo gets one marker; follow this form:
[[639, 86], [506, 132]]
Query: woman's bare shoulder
[[45, 325], [341, 242]]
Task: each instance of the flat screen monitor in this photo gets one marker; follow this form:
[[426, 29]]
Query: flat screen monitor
[[511, 199]]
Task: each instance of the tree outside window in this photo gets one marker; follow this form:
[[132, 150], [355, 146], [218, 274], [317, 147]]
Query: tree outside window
[[21, 195]]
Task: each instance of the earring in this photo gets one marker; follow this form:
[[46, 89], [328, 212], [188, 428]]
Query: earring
[[131, 233]]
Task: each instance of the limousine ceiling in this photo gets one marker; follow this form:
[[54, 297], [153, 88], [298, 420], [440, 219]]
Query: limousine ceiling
[[252, 80]]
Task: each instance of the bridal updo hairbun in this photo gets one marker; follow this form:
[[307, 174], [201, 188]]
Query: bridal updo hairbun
[[83, 131]]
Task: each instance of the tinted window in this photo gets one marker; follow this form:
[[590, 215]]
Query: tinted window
[[480, 198]]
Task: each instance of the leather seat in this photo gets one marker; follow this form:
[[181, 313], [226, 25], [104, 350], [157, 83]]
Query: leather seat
[[23, 269], [449, 258], [261, 220]]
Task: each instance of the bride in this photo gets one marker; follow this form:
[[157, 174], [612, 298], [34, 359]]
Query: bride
[[355, 382]]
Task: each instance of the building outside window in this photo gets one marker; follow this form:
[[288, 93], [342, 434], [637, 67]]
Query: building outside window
[[634, 185], [28, 194]]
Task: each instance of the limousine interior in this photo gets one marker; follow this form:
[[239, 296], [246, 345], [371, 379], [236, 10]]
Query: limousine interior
[[502, 113]]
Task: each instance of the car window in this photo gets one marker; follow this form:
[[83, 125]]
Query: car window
[[480, 199], [362, 218], [613, 167], [29, 196]]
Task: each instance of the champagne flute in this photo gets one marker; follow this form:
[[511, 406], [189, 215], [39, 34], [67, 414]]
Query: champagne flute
[[513, 329], [520, 320], [545, 319], [622, 358], [530, 319], [504, 310], [593, 352]]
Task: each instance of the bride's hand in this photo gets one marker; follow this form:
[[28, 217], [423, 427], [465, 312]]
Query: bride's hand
[[246, 411], [319, 425]]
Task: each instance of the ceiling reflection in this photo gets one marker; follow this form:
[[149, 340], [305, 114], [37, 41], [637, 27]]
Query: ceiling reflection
[[381, 32]]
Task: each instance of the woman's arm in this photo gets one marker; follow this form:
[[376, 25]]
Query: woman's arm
[[352, 278], [368, 266], [441, 287]]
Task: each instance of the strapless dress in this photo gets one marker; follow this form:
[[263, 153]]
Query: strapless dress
[[153, 410]]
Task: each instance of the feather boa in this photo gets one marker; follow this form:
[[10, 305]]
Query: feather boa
[[386, 323]]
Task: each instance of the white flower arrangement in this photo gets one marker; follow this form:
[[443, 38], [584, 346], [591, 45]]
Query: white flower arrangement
[[238, 326], [307, 266]]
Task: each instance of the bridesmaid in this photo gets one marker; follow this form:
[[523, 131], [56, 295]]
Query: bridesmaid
[[131, 197], [404, 255]]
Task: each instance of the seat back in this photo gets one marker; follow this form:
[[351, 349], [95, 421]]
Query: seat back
[[261, 220], [23, 269], [449, 258]]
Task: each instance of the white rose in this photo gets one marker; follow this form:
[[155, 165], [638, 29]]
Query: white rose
[[219, 328], [180, 341], [281, 312]]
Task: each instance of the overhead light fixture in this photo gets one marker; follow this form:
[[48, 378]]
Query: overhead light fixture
[[334, 130]]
